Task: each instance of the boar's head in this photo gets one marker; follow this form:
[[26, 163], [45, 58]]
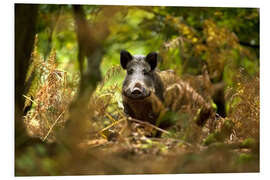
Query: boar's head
[[140, 79]]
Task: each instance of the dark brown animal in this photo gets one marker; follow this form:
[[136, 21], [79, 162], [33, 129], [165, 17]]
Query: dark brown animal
[[149, 93]]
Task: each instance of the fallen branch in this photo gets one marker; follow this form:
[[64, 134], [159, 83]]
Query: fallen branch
[[111, 125], [148, 124]]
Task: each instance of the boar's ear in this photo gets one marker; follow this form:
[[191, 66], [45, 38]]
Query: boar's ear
[[125, 57], [151, 58]]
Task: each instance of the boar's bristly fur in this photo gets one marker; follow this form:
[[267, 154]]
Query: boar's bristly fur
[[148, 92]]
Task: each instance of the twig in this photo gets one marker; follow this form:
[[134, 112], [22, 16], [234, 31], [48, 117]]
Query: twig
[[111, 125], [148, 124], [30, 99], [52, 126], [110, 117], [106, 94], [124, 127], [120, 112]]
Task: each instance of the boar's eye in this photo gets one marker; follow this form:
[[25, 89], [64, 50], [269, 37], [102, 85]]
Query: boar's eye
[[145, 72], [130, 71]]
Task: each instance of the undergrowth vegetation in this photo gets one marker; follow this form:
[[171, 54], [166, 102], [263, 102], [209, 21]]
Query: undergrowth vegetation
[[232, 146], [203, 46]]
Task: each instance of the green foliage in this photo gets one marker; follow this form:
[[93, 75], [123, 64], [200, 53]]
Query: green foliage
[[36, 161], [244, 158], [185, 37], [249, 142], [169, 117], [212, 138], [224, 40]]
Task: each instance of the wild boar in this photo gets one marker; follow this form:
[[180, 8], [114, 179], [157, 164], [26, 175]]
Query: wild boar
[[147, 92]]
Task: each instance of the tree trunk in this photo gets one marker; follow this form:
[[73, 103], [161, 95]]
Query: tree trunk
[[25, 23]]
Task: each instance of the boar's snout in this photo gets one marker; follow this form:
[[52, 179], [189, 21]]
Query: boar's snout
[[137, 91]]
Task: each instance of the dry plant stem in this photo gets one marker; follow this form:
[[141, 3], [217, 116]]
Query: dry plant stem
[[148, 124], [111, 125], [30, 99], [52, 126], [110, 117], [124, 127]]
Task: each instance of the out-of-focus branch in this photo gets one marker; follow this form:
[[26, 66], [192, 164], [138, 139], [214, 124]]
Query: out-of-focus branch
[[90, 42]]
